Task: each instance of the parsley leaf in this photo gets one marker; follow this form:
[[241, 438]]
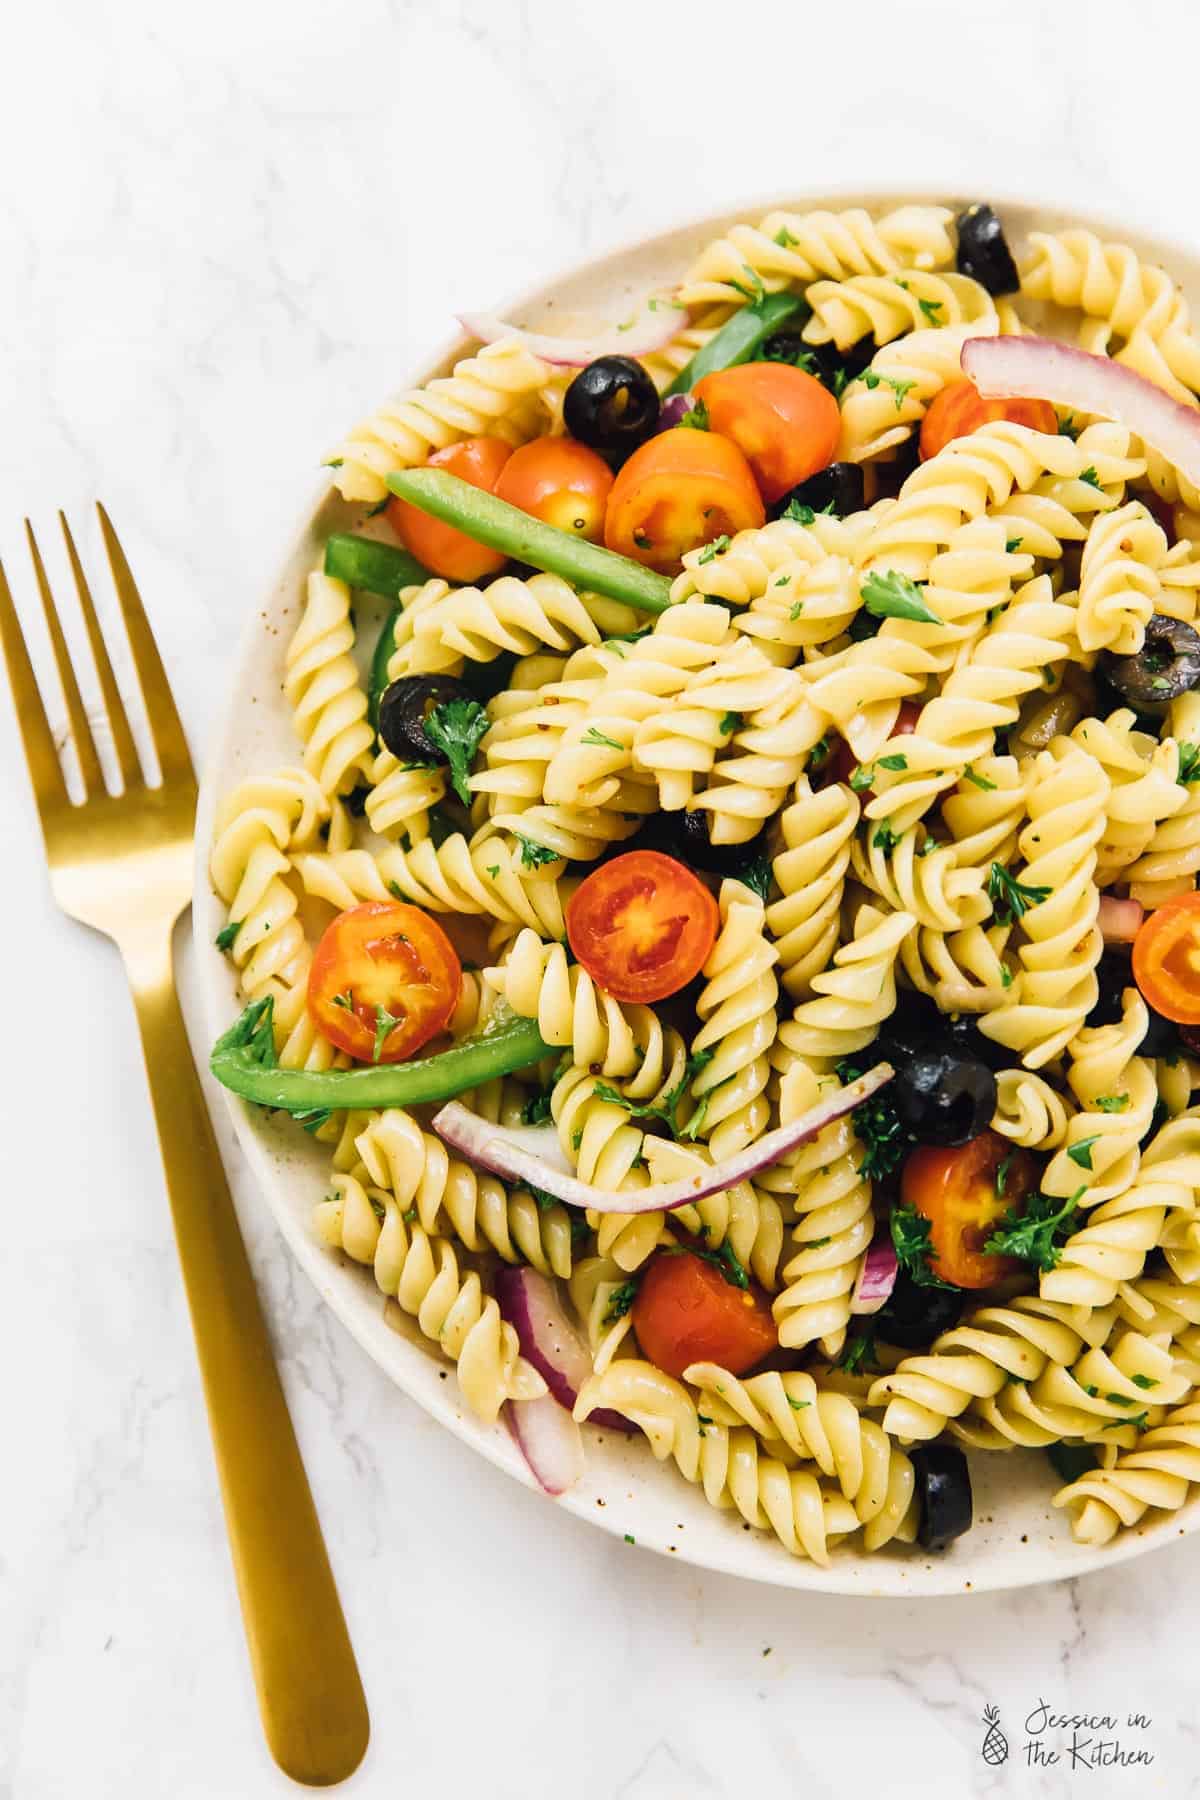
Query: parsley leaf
[[696, 418], [1143, 1381], [798, 513], [931, 309], [666, 1109], [621, 1299], [1189, 767], [1011, 899], [757, 876], [784, 239], [885, 839], [1070, 1461], [730, 722], [818, 753], [384, 1023], [883, 1137], [226, 935], [861, 776], [893, 763], [534, 855], [592, 736], [871, 380], [859, 1353], [753, 290], [1081, 1152], [536, 1109], [457, 727], [313, 1119], [887, 594], [910, 1235], [717, 548], [1112, 1103], [1068, 428], [980, 781], [1035, 1236], [1090, 476], [1013, 544]]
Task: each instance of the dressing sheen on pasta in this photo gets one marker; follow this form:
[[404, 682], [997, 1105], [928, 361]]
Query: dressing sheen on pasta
[[935, 754]]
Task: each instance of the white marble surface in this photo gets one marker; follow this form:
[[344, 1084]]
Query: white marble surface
[[223, 230]]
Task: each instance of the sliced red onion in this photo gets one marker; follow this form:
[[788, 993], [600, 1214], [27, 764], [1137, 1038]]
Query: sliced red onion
[[1119, 920], [549, 1440], [652, 328], [877, 1277], [531, 1304], [673, 411], [492, 1146], [1034, 368]]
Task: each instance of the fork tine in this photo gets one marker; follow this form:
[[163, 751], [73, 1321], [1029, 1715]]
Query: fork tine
[[81, 731], [165, 725], [49, 788], [114, 706]]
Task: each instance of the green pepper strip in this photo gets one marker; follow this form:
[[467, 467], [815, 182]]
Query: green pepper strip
[[507, 529], [377, 568], [737, 339], [377, 681], [244, 1060]]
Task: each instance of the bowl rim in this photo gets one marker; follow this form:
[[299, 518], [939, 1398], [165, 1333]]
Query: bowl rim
[[848, 1573]]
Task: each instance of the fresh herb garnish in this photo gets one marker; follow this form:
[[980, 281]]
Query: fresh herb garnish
[[883, 1137], [345, 1001], [536, 1109], [534, 855], [718, 547], [1189, 767], [1035, 1236], [619, 1303], [384, 1023], [871, 380], [784, 239], [1010, 545], [1068, 428], [696, 418], [1002, 1172], [910, 1235], [753, 291], [861, 777], [225, 937], [931, 309], [859, 1353], [730, 722], [597, 738], [665, 1109], [1011, 899], [899, 761], [885, 839], [1081, 1152], [980, 781], [818, 753], [1111, 1103], [1070, 1461], [457, 727], [798, 513], [887, 594], [1090, 476], [757, 876]]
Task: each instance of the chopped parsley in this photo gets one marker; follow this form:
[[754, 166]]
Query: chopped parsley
[[794, 611], [666, 1108], [910, 1235], [726, 1259], [384, 1023], [225, 937], [536, 1109], [1081, 1152], [534, 855], [345, 1001], [796, 1406], [859, 1353], [1070, 1461], [798, 513], [883, 1137], [717, 548], [1143, 1381], [818, 753], [313, 1119], [730, 722], [861, 777], [1189, 767], [1011, 545], [887, 594], [619, 1303], [1002, 1172], [1068, 428], [696, 418], [931, 309], [871, 380], [980, 781], [885, 839], [899, 761], [1035, 1236], [753, 290], [757, 876], [784, 239], [457, 727], [1011, 899], [594, 737], [1090, 476], [1112, 1103]]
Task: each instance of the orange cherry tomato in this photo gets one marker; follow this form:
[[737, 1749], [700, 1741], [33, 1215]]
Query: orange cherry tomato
[[844, 762], [1166, 959], [443, 550], [784, 422], [560, 481], [642, 925], [681, 489], [378, 963], [961, 409], [687, 1312], [958, 1192]]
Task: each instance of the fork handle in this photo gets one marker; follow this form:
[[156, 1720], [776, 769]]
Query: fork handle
[[310, 1694]]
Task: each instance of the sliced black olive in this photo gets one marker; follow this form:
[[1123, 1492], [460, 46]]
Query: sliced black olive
[[611, 405], [1162, 1037], [913, 1316], [1168, 664], [943, 1494], [837, 489], [942, 1097], [983, 251], [695, 847], [833, 368], [1113, 976], [406, 705]]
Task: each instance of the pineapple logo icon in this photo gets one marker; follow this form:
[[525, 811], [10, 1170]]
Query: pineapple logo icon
[[994, 1749]]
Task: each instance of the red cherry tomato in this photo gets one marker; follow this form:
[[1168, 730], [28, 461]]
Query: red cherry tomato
[[642, 925], [783, 421], [958, 1192], [560, 481], [378, 963], [1166, 959], [687, 1312], [843, 762], [443, 550], [961, 409], [681, 489]]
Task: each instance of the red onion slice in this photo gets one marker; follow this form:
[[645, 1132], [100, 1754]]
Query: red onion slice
[[652, 328], [1119, 920], [1033, 368], [877, 1277], [673, 411], [549, 1440], [548, 1339], [494, 1147]]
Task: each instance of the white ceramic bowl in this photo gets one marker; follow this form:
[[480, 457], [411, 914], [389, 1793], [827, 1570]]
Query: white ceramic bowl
[[1017, 1538]]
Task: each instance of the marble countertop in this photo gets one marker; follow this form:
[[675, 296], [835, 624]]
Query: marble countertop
[[224, 231]]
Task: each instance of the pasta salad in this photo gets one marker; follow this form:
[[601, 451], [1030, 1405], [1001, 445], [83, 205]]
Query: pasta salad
[[732, 915]]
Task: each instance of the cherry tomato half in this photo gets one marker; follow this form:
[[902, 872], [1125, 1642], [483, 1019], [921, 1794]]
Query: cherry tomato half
[[961, 409], [560, 481], [1166, 959], [843, 762], [783, 421], [443, 550], [642, 925], [379, 962], [682, 489], [959, 1192], [687, 1312]]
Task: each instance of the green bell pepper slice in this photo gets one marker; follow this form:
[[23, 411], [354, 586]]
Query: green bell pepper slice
[[738, 339]]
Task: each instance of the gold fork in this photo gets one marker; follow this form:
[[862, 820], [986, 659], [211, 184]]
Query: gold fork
[[122, 864]]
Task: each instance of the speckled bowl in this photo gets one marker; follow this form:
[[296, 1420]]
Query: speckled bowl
[[1018, 1538]]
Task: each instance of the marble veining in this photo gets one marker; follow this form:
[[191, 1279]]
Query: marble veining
[[225, 231]]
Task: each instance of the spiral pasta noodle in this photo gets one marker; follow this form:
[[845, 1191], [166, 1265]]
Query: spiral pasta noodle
[[1109, 282], [329, 706], [833, 1228], [854, 995], [810, 873], [789, 248], [1160, 1472], [513, 615]]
